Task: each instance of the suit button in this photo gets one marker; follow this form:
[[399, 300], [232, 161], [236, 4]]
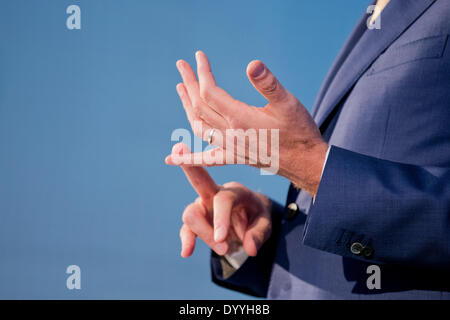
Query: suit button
[[356, 248], [367, 252], [292, 211]]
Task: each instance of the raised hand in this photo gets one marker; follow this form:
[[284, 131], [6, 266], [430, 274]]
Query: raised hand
[[301, 151], [224, 217]]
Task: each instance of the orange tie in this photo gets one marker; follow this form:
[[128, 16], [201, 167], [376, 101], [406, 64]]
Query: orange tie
[[381, 4]]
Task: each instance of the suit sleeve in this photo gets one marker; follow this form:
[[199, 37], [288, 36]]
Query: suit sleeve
[[400, 212], [254, 275]]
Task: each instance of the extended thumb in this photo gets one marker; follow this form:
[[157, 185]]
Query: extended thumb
[[265, 82]]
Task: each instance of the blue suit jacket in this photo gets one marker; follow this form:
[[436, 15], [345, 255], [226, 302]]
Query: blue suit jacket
[[385, 110]]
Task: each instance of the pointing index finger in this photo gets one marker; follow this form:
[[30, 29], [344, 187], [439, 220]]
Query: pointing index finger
[[199, 178]]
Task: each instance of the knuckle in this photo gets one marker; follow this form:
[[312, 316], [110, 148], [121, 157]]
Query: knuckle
[[233, 184], [266, 229], [205, 94], [196, 108], [234, 122], [223, 196], [258, 236], [189, 216], [271, 85], [293, 101], [219, 196]]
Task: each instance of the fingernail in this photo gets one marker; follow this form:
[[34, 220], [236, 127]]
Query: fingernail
[[257, 71], [220, 233], [220, 248]]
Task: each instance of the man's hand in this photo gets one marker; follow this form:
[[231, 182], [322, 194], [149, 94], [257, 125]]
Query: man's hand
[[302, 150], [224, 217]]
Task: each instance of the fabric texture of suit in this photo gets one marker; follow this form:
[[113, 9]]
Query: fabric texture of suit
[[384, 108]]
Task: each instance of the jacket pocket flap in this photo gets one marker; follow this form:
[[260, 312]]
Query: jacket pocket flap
[[425, 48]]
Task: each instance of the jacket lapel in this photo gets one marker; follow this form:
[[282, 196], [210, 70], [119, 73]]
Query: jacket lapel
[[353, 62], [349, 44]]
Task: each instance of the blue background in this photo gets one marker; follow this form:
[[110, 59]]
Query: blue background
[[86, 118]]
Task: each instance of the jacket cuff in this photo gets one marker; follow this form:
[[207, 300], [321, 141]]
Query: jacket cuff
[[334, 223]]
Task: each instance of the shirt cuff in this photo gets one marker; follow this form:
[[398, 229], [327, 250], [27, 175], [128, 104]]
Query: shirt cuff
[[237, 258]]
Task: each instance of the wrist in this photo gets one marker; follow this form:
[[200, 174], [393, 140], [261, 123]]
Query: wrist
[[307, 166]]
